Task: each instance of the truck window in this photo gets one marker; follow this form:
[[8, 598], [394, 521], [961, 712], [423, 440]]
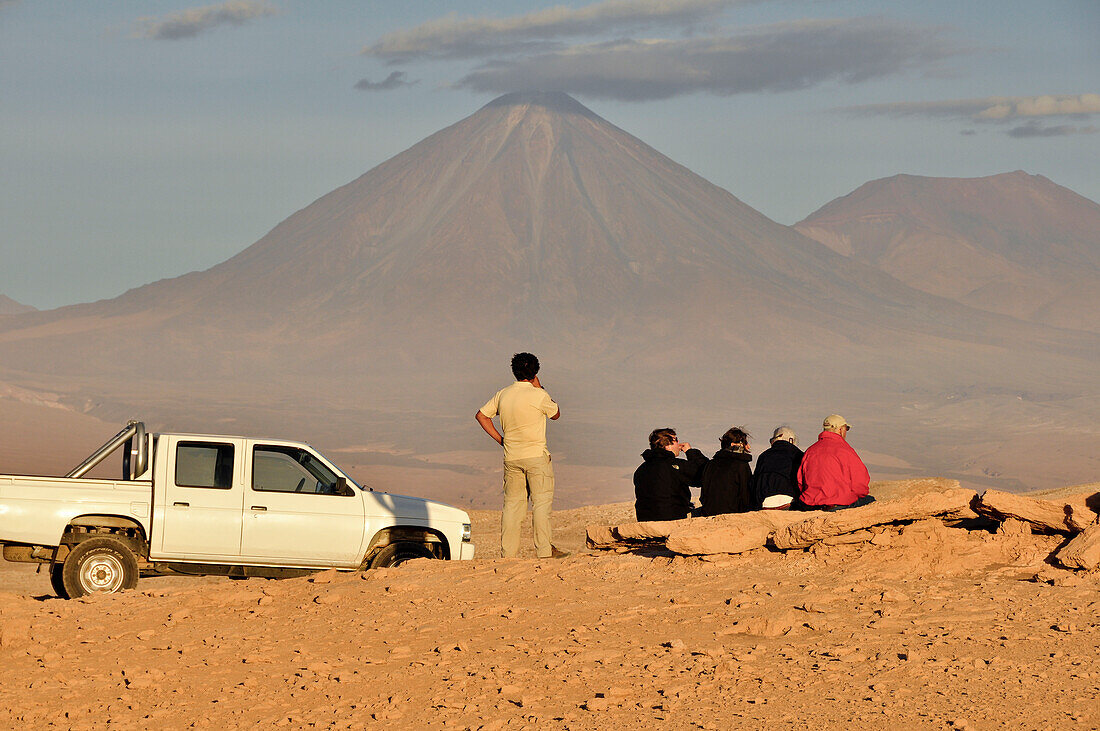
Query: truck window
[[290, 469], [204, 464]]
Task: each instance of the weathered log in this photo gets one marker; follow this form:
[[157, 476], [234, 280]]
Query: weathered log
[[1043, 515], [1083, 552], [954, 503], [733, 533]]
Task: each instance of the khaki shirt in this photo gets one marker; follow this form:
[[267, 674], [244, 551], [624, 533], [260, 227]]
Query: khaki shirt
[[523, 411]]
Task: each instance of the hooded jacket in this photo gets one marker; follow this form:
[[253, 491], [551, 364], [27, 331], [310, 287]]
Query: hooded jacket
[[832, 473], [727, 484], [777, 471], [662, 484]]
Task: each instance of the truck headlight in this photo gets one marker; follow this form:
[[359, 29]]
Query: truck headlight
[[466, 533]]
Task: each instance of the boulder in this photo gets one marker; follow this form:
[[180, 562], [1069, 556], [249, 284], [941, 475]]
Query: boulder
[[612, 536], [1083, 552], [648, 531], [600, 536], [734, 533], [1043, 515], [954, 503], [1081, 511]]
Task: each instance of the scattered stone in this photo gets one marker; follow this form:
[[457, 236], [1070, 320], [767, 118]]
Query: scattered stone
[[1014, 528]]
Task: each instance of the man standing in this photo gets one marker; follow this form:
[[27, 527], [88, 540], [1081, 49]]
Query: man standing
[[523, 408], [832, 476]]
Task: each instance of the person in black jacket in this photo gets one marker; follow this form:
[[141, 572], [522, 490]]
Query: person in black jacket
[[727, 479], [775, 482], [662, 483]]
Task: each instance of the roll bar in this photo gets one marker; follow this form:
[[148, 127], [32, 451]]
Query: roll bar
[[135, 459]]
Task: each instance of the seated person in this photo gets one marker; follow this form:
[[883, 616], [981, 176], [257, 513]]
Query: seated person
[[662, 482], [775, 480], [832, 476], [727, 479]]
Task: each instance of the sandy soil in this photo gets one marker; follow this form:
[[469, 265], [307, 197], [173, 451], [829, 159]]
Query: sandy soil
[[931, 627]]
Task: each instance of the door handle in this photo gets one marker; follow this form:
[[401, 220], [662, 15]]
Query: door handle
[[181, 505], [259, 507]]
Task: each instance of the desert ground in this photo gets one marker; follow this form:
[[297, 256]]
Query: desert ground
[[928, 626]]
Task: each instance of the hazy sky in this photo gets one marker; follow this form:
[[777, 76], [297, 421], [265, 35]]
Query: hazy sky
[[141, 140]]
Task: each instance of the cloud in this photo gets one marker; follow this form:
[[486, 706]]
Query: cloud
[[394, 81], [193, 21], [1001, 110], [455, 37], [1035, 129], [777, 57], [992, 109]]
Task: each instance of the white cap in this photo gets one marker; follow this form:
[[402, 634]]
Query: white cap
[[773, 502]]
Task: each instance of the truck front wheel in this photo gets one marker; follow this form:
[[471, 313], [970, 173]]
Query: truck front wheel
[[99, 566], [398, 553]]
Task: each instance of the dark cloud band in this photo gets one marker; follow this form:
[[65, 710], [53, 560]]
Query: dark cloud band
[[778, 57]]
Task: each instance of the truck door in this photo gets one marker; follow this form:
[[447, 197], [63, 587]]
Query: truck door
[[294, 512], [202, 498]]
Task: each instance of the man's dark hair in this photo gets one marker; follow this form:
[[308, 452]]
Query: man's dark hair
[[524, 366], [735, 435], [661, 438]]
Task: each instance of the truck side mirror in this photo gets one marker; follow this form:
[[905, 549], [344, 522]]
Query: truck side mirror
[[342, 487]]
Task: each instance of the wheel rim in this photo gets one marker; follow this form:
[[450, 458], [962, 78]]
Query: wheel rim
[[102, 573]]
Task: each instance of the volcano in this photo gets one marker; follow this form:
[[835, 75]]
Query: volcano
[[383, 314], [1014, 243]]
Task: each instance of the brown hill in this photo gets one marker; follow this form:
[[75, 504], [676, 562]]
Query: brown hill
[[1015, 243], [377, 319], [8, 306]]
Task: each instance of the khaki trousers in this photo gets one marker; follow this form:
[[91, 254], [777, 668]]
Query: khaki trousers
[[525, 478]]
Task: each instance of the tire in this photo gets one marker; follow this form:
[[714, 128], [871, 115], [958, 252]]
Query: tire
[[398, 553], [56, 581], [99, 566]]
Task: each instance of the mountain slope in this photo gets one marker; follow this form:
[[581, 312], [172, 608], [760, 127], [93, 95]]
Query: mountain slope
[[1015, 243], [8, 306]]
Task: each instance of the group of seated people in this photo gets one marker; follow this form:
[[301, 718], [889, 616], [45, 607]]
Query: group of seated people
[[829, 475]]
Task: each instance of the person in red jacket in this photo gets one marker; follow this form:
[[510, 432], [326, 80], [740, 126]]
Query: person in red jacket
[[832, 476]]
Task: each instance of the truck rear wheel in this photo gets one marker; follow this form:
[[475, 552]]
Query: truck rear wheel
[[56, 581], [398, 553], [99, 566]]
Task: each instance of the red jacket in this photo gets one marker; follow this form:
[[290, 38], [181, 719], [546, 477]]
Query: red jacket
[[832, 473]]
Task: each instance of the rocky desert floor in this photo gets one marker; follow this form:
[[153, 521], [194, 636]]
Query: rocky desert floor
[[926, 627]]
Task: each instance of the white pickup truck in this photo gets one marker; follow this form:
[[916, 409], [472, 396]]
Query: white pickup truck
[[205, 504]]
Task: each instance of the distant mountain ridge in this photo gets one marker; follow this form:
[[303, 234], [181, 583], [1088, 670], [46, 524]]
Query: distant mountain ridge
[[1014, 243]]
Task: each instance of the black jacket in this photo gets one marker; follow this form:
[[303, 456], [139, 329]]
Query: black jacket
[[662, 484], [727, 484], [777, 471]]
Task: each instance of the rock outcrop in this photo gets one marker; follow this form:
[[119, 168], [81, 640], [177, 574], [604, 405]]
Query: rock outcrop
[[803, 534], [734, 533], [1083, 552], [1043, 515], [1015, 517]]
